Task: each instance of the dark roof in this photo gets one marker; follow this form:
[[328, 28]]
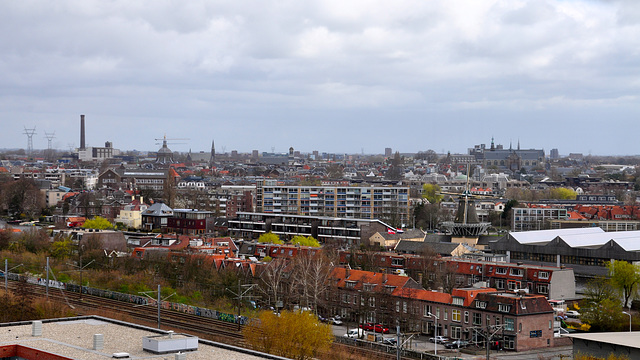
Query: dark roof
[[437, 238], [518, 305], [416, 247]]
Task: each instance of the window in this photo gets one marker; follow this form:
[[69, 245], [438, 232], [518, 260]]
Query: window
[[372, 302], [516, 272], [504, 308], [543, 289], [499, 283], [446, 314], [458, 301], [477, 319], [455, 315], [513, 285], [404, 307], [501, 271], [426, 310], [397, 306], [466, 317], [543, 275], [456, 332], [350, 284], [509, 324], [481, 304]]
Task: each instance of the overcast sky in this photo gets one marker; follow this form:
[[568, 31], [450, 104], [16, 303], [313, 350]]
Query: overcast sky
[[334, 76]]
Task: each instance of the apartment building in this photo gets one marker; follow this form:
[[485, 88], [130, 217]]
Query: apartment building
[[342, 231], [344, 200], [536, 218], [188, 221]]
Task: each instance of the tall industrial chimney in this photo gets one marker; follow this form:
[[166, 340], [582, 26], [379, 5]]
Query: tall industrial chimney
[[82, 145]]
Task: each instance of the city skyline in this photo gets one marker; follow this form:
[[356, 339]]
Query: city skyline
[[323, 75]]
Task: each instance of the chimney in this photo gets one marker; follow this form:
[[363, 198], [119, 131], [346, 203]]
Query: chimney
[[82, 144], [98, 342], [36, 328]]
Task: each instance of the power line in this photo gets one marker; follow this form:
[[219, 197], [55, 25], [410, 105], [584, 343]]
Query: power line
[[29, 133]]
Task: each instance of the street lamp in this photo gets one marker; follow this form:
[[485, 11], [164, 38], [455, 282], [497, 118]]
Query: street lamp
[[628, 313], [435, 336]]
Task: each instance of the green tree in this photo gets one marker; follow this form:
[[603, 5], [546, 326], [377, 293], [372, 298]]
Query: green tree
[[98, 223], [62, 247], [431, 192], [295, 335], [563, 193], [270, 238], [625, 277], [600, 302], [305, 241]]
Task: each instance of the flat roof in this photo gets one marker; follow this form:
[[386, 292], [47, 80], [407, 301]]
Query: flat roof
[[628, 339], [73, 338]]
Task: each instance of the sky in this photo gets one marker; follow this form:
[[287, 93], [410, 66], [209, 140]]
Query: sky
[[335, 76]]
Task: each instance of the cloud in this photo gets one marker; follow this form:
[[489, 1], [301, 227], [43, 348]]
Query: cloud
[[240, 66]]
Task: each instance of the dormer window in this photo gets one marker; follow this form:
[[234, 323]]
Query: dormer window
[[458, 301], [516, 272], [481, 304], [350, 284], [504, 308]]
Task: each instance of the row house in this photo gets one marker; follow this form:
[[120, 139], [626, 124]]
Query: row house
[[520, 322], [548, 281]]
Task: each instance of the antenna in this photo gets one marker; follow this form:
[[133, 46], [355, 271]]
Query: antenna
[[29, 133]]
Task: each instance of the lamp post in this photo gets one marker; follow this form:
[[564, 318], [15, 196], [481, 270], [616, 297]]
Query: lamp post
[[435, 336], [628, 313]]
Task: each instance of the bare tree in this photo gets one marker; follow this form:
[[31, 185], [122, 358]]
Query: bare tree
[[273, 280], [310, 274]]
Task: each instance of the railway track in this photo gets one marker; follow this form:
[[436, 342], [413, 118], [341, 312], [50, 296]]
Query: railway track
[[203, 327]]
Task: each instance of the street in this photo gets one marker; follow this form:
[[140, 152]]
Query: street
[[421, 343]]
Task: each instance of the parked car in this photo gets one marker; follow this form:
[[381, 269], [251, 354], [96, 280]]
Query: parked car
[[380, 329], [374, 327], [439, 339], [457, 344], [355, 333], [334, 321], [367, 326], [572, 314], [390, 341]]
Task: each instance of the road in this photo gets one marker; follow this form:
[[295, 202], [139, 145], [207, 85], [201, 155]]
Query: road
[[421, 343]]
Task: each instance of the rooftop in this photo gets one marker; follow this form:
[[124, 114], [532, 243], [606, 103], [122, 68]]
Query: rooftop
[[72, 338]]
